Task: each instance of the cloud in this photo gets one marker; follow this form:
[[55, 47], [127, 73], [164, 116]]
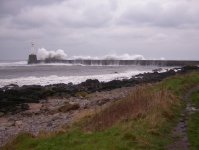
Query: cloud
[[153, 28], [94, 13], [170, 13], [74, 13]]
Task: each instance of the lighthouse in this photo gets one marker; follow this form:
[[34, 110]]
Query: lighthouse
[[32, 59]]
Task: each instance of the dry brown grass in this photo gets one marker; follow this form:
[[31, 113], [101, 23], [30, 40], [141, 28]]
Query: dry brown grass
[[142, 102]]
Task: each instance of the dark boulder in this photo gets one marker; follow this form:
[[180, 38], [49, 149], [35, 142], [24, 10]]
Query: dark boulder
[[90, 85], [189, 68]]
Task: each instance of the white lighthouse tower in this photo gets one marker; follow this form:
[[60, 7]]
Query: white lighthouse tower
[[33, 48]]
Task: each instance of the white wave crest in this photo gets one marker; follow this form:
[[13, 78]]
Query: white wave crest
[[112, 57], [53, 79], [124, 57], [43, 54], [18, 63]]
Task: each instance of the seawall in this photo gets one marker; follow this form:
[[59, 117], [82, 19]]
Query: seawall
[[122, 62]]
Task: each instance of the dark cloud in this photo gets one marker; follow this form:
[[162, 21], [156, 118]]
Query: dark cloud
[[12, 7]]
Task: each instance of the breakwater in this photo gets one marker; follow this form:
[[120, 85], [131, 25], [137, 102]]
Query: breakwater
[[122, 62], [33, 60]]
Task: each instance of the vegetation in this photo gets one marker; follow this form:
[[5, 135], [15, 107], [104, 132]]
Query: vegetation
[[142, 120], [195, 99], [193, 123], [193, 131], [81, 94]]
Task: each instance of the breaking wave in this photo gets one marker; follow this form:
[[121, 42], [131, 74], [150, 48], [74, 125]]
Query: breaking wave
[[59, 54], [13, 63], [112, 57], [54, 79], [43, 54]]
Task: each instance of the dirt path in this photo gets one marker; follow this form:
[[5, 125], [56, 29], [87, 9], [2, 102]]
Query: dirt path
[[179, 133]]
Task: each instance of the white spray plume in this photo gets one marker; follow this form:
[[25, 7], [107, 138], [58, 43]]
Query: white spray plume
[[112, 57], [59, 54], [84, 57], [123, 57], [43, 54]]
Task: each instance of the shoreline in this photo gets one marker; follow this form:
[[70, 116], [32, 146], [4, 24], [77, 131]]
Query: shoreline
[[14, 99], [36, 109]]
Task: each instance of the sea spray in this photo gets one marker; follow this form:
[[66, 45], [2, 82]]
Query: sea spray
[[44, 54], [59, 54]]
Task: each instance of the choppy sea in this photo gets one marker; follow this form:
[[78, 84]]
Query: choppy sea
[[20, 73]]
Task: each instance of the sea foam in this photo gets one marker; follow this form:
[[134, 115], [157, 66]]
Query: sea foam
[[54, 79]]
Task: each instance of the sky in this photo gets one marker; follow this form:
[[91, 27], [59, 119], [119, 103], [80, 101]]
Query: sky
[[156, 29]]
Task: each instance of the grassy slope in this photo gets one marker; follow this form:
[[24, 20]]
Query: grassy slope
[[193, 123], [148, 129]]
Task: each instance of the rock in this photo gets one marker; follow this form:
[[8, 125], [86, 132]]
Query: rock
[[10, 86], [24, 106], [67, 107], [102, 101], [90, 85], [189, 68], [18, 123], [34, 107], [1, 114], [49, 124]]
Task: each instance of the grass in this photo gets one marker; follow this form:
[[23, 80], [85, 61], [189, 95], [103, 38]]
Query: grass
[[142, 120], [179, 84], [143, 102], [195, 99], [193, 123], [193, 131]]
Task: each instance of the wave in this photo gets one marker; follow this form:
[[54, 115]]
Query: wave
[[59, 54], [24, 63], [111, 57], [54, 79], [43, 54], [17, 63]]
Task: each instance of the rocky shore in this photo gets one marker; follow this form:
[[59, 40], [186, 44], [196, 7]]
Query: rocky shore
[[38, 108], [53, 114]]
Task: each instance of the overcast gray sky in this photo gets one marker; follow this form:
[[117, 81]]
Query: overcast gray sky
[[152, 28]]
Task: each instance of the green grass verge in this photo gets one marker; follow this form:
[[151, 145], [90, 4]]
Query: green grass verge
[[179, 84], [135, 133], [193, 131], [195, 99], [193, 123], [139, 136]]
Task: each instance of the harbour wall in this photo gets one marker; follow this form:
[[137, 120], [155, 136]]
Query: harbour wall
[[124, 62]]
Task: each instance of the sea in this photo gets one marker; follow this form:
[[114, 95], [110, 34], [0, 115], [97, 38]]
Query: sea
[[21, 73]]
